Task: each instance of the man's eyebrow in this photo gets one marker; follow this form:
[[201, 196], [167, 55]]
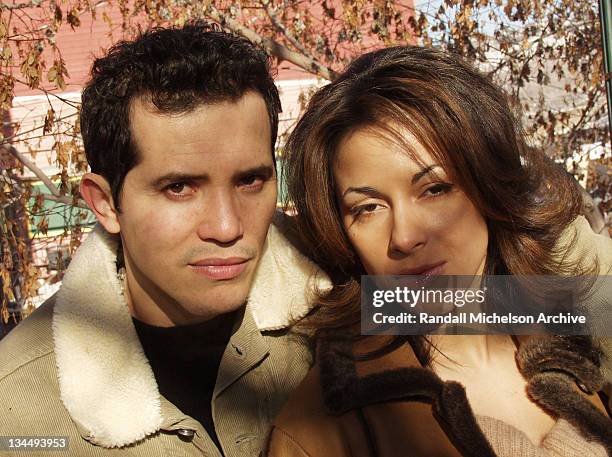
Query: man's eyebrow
[[262, 170], [178, 177], [265, 170]]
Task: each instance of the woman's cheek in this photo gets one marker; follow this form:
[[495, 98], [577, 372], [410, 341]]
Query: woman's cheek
[[371, 247]]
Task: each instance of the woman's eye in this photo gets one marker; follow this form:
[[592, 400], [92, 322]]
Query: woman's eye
[[364, 209], [438, 189]]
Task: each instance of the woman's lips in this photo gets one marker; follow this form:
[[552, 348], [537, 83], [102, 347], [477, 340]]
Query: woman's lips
[[425, 270], [220, 269]]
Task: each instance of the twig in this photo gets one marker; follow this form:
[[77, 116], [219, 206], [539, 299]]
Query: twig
[[9, 139], [272, 46], [80, 203]]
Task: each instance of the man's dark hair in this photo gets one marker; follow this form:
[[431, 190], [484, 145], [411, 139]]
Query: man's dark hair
[[177, 69]]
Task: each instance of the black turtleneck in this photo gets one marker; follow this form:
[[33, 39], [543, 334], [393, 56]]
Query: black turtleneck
[[185, 361]]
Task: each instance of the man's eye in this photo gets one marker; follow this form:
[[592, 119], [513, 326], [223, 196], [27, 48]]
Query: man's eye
[[252, 181], [176, 188]]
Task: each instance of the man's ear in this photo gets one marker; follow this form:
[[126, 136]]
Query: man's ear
[[97, 194]]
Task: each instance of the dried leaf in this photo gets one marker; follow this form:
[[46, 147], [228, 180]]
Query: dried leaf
[[52, 74], [73, 18], [49, 118]]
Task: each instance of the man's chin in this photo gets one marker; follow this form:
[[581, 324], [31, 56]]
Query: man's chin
[[218, 302]]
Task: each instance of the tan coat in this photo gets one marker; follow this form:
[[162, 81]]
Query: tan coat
[[75, 368], [393, 407]]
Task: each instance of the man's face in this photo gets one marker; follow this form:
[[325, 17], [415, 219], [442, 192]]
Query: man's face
[[196, 209]]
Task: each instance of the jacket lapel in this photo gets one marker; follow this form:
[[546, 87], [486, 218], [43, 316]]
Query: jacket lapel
[[105, 380]]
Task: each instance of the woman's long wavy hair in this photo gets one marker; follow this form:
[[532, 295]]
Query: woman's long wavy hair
[[464, 120]]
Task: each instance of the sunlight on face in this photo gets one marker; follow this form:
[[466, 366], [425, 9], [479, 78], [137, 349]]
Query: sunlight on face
[[404, 216], [196, 208]]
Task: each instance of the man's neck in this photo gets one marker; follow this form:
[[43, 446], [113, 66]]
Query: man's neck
[[150, 310]]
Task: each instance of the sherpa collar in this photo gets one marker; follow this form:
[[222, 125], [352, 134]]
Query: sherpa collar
[[105, 380]]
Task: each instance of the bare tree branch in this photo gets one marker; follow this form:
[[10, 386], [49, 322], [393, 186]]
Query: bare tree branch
[[34, 169], [20, 6], [272, 46], [67, 200], [281, 28]]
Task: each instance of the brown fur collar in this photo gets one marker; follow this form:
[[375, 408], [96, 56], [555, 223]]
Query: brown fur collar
[[552, 366]]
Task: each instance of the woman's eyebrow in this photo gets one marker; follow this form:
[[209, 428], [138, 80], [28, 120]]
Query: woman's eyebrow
[[425, 171], [370, 191], [363, 190]]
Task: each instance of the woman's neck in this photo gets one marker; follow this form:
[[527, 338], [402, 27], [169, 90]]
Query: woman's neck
[[473, 351]]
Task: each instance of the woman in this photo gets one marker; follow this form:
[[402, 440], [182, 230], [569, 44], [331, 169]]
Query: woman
[[412, 163]]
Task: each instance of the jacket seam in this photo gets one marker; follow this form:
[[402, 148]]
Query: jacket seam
[[30, 359], [291, 439], [367, 432]]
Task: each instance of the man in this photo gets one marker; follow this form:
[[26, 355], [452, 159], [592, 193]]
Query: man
[[170, 333]]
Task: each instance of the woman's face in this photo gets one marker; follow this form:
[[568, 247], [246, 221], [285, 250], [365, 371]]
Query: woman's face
[[404, 217]]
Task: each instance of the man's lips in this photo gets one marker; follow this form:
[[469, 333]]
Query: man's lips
[[431, 269], [220, 268]]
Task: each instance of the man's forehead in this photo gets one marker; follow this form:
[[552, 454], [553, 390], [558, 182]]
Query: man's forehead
[[234, 135]]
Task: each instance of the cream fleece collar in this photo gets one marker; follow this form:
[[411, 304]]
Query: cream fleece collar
[[105, 380]]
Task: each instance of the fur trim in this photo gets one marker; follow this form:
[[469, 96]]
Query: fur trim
[[453, 408], [551, 366], [575, 356], [344, 390], [284, 284], [105, 380], [552, 391]]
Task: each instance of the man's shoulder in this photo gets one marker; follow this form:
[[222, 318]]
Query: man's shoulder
[[30, 340]]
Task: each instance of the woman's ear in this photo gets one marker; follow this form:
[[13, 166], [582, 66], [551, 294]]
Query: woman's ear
[[97, 194]]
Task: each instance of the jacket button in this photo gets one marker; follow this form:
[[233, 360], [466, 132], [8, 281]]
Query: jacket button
[[185, 434]]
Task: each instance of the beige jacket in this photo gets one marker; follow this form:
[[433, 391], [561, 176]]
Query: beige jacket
[[75, 368]]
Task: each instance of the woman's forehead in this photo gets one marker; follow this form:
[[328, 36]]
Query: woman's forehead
[[382, 146]]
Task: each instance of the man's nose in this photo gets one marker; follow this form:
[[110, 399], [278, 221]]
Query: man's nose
[[221, 220], [408, 234]]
